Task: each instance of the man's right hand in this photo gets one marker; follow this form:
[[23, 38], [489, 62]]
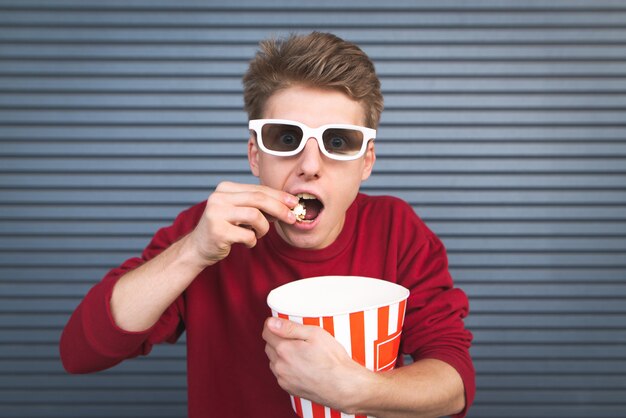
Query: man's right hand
[[238, 213], [235, 213]]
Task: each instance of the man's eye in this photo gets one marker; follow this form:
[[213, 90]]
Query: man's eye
[[337, 142], [288, 139]]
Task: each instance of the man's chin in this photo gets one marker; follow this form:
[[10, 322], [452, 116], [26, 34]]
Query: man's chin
[[310, 235], [300, 235]]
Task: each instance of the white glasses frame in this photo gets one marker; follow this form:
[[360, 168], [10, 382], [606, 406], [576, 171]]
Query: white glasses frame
[[256, 125]]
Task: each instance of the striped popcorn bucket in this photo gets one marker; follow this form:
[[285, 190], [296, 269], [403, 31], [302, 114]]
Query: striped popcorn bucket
[[364, 314]]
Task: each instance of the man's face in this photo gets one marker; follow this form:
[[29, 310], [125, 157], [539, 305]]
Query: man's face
[[334, 183]]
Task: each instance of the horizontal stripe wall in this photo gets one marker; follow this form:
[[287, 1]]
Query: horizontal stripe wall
[[505, 128]]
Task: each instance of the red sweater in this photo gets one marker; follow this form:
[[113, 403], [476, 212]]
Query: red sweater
[[223, 310]]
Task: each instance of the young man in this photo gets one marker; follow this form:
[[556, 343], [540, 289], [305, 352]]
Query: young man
[[314, 102]]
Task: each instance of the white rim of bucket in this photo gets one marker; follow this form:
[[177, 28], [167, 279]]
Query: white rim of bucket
[[397, 292]]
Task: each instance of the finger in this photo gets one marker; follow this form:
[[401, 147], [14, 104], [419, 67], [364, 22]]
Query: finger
[[258, 195], [267, 204], [249, 218], [273, 209], [270, 353], [284, 197], [241, 235], [290, 330], [271, 338]]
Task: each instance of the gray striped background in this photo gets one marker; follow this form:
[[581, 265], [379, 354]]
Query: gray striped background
[[504, 127]]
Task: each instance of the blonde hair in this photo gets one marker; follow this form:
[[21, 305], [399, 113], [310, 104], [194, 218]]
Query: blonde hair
[[320, 60]]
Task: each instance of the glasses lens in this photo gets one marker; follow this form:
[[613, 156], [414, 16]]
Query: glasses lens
[[345, 142], [281, 137]]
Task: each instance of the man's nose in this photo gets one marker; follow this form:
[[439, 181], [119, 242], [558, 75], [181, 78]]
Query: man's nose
[[310, 158]]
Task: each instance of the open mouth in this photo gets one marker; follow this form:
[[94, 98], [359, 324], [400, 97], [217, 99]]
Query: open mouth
[[308, 208]]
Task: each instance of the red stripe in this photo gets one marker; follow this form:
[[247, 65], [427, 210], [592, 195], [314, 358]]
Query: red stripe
[[383, 322], [298, 404], [318, 410], [357, 337], [296, 401], [401, 309], [311, 321], [329, 325]]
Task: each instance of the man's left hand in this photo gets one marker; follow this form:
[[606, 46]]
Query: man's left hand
[[310, 363]]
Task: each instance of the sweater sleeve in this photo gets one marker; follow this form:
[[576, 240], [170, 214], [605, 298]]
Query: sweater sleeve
[[434, 326], [91, 341]]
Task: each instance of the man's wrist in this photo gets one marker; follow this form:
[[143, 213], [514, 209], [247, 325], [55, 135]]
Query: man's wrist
[[188, 254], [362, 393]]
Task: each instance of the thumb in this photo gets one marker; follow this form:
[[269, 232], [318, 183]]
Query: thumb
[[289, 329]]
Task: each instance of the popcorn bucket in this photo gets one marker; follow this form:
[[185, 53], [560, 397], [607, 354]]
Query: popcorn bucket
[[365, 315]]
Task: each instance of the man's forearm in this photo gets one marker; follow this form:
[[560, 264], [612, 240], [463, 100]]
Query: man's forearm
[[427, 388], [142, 295]]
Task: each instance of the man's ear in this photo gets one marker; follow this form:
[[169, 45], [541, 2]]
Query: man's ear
[[370, 159], [253, 155]]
